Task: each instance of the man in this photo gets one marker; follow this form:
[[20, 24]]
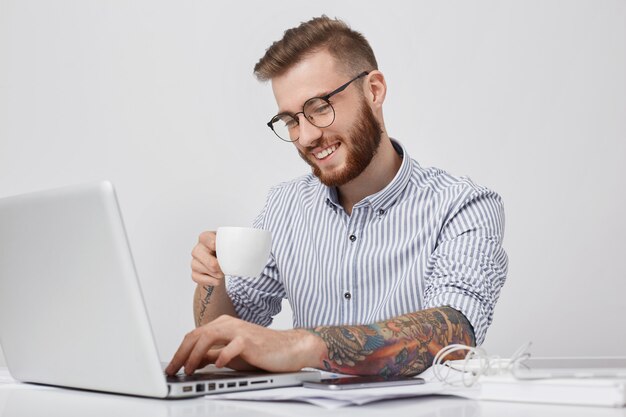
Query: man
[[383, 262]]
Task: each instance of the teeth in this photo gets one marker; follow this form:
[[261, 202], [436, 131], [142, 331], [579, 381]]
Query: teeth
[[326, 152]]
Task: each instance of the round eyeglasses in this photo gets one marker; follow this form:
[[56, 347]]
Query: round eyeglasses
[[317, 110]]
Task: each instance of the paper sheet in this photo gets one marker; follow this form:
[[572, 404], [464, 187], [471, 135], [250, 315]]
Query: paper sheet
[[333, 399], [337, 399]]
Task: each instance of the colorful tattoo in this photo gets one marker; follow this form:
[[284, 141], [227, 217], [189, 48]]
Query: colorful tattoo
[[404, 345]]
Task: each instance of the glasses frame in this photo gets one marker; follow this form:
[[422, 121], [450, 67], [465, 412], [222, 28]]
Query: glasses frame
[[325, 98]]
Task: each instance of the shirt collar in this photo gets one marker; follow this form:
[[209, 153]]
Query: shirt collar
[[382, 200]]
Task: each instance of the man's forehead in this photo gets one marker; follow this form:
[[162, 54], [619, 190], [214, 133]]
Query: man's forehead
[[314, 75]]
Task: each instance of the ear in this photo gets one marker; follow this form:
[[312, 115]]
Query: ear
[[375, 89]]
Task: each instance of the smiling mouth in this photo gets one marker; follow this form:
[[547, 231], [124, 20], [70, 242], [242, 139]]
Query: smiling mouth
[[328, 151]]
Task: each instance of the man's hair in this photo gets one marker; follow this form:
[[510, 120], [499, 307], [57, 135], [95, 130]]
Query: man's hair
[[349, 48]]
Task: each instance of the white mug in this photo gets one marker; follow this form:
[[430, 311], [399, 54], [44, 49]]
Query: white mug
[[243, 251]]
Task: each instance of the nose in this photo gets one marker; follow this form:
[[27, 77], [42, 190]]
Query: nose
[[309, 133]]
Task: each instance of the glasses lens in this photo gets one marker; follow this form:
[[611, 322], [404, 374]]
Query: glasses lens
[[319, 112], [285, 127]]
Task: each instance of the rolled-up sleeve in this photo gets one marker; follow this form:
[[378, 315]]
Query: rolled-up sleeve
[[468, 266], [258, 299]]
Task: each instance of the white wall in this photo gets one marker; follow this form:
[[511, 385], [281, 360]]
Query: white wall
[[527, 97]]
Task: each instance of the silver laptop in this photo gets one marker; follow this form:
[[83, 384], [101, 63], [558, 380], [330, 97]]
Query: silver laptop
[[71, 309]]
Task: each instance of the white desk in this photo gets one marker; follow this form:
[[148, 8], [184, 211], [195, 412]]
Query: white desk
[[34, 401]]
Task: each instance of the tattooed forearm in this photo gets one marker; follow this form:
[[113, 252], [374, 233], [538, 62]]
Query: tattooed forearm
[[404, 345], [204, 299]]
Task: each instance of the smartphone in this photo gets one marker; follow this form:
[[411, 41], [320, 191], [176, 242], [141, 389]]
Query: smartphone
[[355, 382]]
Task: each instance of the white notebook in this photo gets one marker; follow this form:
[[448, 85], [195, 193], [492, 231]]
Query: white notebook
[[608, 392]]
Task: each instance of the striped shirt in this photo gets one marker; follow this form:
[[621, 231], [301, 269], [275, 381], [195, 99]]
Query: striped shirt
[[428, 239]]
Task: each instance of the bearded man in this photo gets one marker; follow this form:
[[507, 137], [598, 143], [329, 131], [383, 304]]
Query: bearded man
[[383, 262]]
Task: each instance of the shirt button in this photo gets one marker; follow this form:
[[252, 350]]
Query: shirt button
[[347, 296], [352, 238], [381, 212]]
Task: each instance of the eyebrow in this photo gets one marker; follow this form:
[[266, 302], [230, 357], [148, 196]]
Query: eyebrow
[[323, 94]]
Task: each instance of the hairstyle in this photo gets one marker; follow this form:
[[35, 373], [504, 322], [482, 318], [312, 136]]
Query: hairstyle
[[350, 48]]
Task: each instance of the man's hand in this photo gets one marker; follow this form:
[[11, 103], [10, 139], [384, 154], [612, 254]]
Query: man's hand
[[231, 342], [205, 269], [210, 299]]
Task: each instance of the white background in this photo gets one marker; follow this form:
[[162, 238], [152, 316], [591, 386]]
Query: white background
[[525, 97]]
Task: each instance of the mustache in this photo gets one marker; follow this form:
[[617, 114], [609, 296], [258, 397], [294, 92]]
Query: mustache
[[323, 142]]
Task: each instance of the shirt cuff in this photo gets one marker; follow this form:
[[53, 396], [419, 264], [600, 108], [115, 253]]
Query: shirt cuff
[[469, 306], [241, 301]]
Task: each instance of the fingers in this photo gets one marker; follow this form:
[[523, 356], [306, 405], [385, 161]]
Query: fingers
[[205, 269], [203, 276], [237, 363], [203, 345], [193, 353], [211, 356], [181, 355], [229, 352], [208, 239], [198, 356], [199, 346]]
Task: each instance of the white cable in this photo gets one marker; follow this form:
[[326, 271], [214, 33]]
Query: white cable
[[476, 364]]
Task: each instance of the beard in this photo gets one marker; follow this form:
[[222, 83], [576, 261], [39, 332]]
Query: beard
[[361, 146]]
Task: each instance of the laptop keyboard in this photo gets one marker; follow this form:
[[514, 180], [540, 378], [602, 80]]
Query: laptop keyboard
[[207, 376]]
